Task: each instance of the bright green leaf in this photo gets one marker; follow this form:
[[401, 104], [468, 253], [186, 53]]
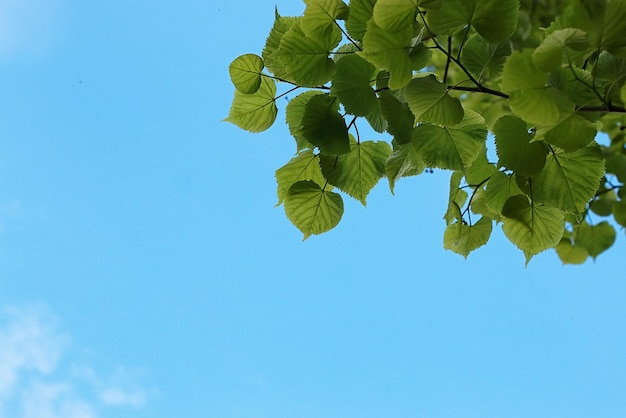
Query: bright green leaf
[[549, 55], [452, 148], [395, 15], [532, 228], [304, 60], [304, 166], [404, 161], [389, 51], [463, 239], [602, 205], [319, 17], [361, 12], [495, 20], [357, 172], [246, 72], [351, 83], [604, 21], [312, 209], [595, 239], [569, 180], [619, 212], [571, 254], [483, 59], [324, 127], [281, 26], [254, 112], [429, 101], [571, 132], [456, 199], [399, 117], [480, 170], [499, 189], [530, 97], [294, 114], [515, 149]]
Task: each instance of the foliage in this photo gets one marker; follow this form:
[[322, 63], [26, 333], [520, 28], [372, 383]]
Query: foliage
[[547, 78]]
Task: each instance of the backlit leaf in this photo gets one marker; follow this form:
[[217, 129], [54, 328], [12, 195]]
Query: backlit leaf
[[304, 60], [571, 132], [595, 239], [452, 148], [323, 126], [294, 114], [399, 117], [351, 83], [390, 51], [495, 20], [245, 73], [395, 15], [358, 171], [360, 13], [254, 112], [499, 189], [570, 253], [304, 166], [549, 55], [313, 209], [281, 25], [569, 180], [429, 101], [515, 149], [404, 161], [319, 17], [483, 59], [463, 239], [532, 228]]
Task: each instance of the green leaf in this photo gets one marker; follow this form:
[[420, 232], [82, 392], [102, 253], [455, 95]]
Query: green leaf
[[254, 112], [619, 212], [515, 149], [463, 239], [404, 161], [595, 239], [456, 199], [603, 21], [569, 180], [603, 204], [280, 27], [305, 61], [389, 51], [570, 253], [622, 93], [483, 59], [495, 20], [532, 228], [319, 17], [324, 127], [361, 12], [294, 114], [312, 209], [430, 102], [395, 15], [530, 97], [499, 189], [376, 119], [452, 148], [480, 170], [246, 72], [571, 132], [616, 164], [304, 166], [399, 117], [357, 172], [549, 55], [351, 83]]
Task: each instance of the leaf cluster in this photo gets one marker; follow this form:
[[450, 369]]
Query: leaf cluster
[[512, 97]]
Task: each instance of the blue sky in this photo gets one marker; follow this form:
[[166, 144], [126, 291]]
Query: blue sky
[[144, 271]]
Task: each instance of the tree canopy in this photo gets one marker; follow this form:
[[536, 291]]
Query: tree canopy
[[522, 101]]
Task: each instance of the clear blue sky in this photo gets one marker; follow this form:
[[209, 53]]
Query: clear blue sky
[[144, 271]]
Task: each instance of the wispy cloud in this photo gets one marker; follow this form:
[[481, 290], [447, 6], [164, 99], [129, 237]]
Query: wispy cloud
[[38, 380]]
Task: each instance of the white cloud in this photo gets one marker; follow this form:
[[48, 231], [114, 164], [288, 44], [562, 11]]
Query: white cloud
[[35, 381]]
